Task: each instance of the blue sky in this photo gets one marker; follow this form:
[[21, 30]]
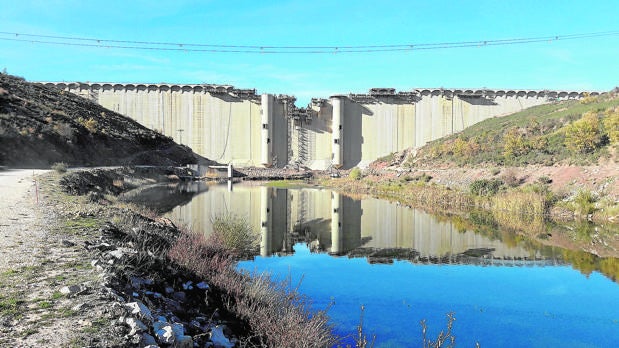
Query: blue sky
[[589, 64]]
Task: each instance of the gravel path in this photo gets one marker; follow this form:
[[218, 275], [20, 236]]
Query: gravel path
[[36, 262], [20, 225]]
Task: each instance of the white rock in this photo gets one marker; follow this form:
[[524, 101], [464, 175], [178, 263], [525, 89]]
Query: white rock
[[70, 290], [165, 335], [135, 325], [79, 307], [138, 308], [117, 253], [219, 339], [158, 325]]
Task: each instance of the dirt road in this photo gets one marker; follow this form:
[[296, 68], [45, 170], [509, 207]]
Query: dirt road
[[34, 265], [18, 217]]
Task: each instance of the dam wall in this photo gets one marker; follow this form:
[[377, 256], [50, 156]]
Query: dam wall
[[238, 126]]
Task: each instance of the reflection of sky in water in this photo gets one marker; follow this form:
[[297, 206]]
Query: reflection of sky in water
[[496, 306]]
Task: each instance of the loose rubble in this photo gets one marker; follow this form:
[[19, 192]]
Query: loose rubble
[[160, 307]]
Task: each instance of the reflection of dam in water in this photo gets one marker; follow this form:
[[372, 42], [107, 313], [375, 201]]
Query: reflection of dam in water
[[330, 222]]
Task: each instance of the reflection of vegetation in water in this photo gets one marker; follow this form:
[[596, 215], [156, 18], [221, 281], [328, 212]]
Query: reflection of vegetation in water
[[483, 222], [587, 263], [583, 230], [285, 183]]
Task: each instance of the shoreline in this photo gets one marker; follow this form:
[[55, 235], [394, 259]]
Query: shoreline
[[94, 250]]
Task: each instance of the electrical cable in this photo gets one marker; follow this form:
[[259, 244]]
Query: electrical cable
[[266, 49]]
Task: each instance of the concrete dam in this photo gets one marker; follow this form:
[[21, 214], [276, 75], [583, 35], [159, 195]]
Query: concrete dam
[[238, 126]]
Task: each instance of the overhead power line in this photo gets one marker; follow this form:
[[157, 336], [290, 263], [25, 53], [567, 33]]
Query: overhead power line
[[218, 48]]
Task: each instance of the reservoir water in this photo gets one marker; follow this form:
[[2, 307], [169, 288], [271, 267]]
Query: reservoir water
[[404, 265]]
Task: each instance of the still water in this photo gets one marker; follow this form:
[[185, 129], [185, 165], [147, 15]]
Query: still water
[[404, 265]]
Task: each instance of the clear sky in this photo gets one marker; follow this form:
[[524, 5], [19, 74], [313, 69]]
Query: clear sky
[[587, 63]]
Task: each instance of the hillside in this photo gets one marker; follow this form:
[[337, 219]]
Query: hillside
[[577, 132], [41, 125]]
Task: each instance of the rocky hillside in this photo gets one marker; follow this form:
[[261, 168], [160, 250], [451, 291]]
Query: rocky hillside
[[42, 125]]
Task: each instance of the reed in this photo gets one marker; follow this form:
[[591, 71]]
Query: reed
[[520, 210]]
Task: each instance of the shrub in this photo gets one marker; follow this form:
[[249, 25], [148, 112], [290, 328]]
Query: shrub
[[445, 338], [611, 125], [583, 135], [584, 202], [59, 167], [544, 180], [235, 233], [514, 143], [90, 124], [515, 209], [355, 173], [424, 177], [588, 99], [485, 187], [276, 313], [510, 179]]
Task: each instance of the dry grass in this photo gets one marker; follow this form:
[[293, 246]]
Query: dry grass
[[520, 210], [277, 314]]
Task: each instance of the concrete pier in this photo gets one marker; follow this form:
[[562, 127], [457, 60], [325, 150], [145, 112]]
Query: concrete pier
[[266, 155]]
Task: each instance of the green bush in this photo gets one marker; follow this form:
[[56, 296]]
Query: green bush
[[485, 187], [355, 173], [514, 143]]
